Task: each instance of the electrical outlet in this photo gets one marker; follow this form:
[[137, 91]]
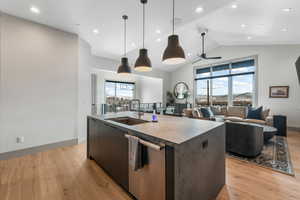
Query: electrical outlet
[[20, 139]]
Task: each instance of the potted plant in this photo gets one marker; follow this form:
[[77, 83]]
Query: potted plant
[[170, 98]]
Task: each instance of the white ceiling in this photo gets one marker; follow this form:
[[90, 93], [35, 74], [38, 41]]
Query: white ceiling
[[264, 20]]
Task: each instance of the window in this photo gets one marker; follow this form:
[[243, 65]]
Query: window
[[118, 95], [226, 84], [242, 90], [220, 91], [202, 92]]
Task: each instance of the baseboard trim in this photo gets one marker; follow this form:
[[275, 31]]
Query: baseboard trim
[[33, 150], [294, 129]]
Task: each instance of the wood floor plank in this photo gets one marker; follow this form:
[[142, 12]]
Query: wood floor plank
[[66, 174]]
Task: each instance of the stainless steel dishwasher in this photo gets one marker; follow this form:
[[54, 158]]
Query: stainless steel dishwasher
[[149, 183]]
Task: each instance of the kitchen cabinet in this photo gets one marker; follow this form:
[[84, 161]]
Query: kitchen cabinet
[[183, 160], [108, 146]]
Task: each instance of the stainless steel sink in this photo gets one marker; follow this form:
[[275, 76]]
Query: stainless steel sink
[[128, 120]]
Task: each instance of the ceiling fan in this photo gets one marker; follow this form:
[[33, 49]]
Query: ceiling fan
[[203, 55]]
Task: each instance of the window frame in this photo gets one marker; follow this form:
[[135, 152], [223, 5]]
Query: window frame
[[230, 79], [115, 81]]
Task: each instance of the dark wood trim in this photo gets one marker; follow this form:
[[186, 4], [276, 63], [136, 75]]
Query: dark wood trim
[[224, 76], [124, 82]]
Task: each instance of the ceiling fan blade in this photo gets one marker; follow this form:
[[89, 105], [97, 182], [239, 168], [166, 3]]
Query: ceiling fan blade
[[212, 58], [195, 61]]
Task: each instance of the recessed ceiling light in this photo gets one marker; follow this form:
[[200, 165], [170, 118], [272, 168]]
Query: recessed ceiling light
[[249, 38], [243, 25], [158, 31], [96, 31], [199, 10], [35, 10], [158, 40], [234, 6], [284, 30], [287, 9]]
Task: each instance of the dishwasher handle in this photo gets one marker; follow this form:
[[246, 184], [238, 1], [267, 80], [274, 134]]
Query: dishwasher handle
[[149, 144]]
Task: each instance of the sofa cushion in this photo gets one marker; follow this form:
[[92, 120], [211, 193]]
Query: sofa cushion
[[206, 112], [223, 110], [237, 111], [255, 121], [254, 113], [234, 119], [216, 110], [265, 114]]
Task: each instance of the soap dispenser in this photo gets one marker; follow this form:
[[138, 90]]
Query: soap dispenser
[[154, 116]]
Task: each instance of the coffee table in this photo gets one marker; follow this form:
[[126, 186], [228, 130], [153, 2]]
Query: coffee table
[[269, 132]]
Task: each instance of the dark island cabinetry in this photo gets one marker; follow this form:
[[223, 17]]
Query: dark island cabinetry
[[108, 146], [182, 160]]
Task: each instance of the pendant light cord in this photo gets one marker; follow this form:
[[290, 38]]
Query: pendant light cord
[[202, 43], [173, 17], [125, 37], [143, 25]]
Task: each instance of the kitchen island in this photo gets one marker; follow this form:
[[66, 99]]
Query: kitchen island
[[185, 157]]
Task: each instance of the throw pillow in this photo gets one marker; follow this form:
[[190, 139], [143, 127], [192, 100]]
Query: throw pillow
[[196, 114], [206, 112], [254, 113], [237, 111]]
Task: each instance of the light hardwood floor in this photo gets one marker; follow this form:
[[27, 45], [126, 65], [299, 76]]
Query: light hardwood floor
[[66, 174]]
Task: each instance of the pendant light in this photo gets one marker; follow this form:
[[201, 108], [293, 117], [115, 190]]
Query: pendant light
[[124, 68], [174, 54], [143, 63]]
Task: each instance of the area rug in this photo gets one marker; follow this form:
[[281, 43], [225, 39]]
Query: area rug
[[275, 156]]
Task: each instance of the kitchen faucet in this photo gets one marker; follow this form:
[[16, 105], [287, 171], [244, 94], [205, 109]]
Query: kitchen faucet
[[139, 112]]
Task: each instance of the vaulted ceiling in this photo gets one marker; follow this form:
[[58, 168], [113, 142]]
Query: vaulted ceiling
[[239, 22]]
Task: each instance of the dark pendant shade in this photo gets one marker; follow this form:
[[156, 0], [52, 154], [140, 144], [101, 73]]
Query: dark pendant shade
[[174, 54], [124, 68], [143, 63]]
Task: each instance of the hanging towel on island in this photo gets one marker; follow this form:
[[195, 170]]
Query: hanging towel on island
[[135, 153]]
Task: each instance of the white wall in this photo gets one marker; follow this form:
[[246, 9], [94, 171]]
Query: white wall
[[45, 86], [84, 88], [151, 89], [148, 89], [276, 66], [38, 84], [106, 70], [2, 136]]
